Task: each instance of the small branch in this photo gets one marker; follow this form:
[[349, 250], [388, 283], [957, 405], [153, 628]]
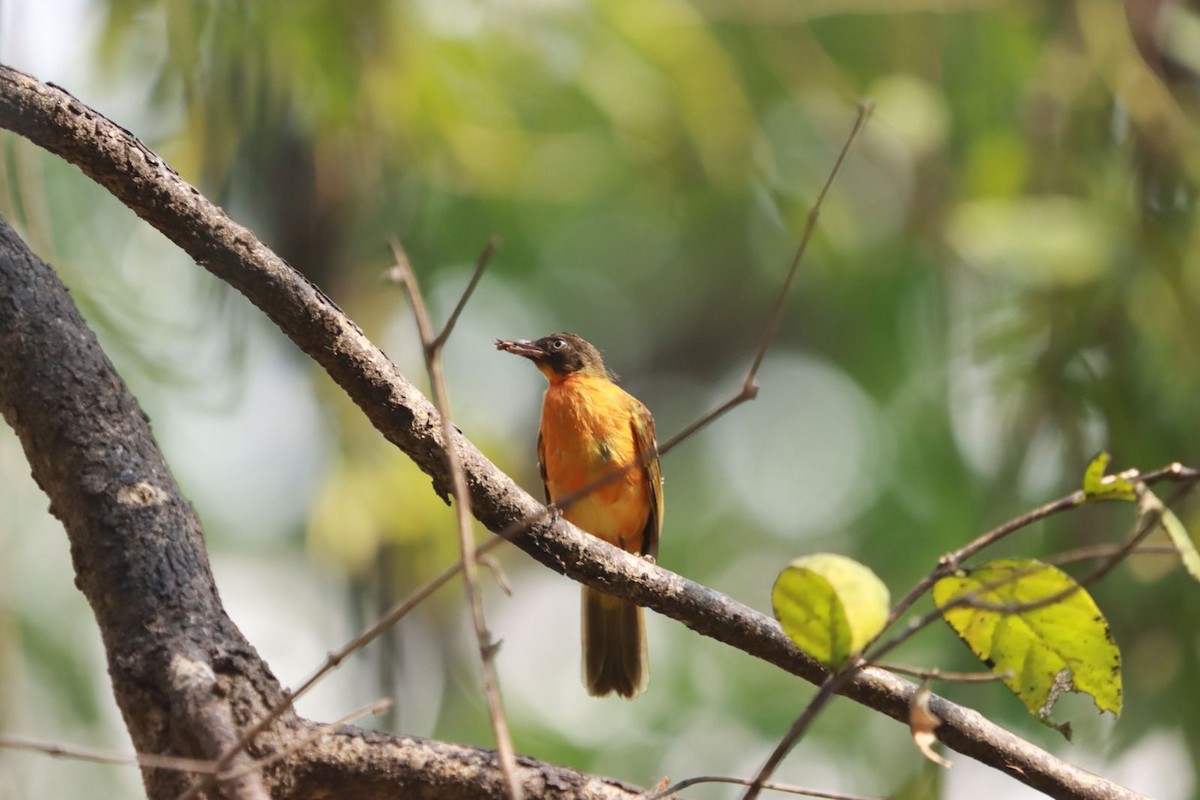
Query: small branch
[[675, 788], [825, 692], [99, 756], [936, 674], [481, 265], [749, 388], [864, 110], [948, 563], [1145, 524], [1098, 551], [951, 561], [462, 506], [834, 683]]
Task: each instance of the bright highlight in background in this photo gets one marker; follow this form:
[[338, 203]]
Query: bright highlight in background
[[804, 456]]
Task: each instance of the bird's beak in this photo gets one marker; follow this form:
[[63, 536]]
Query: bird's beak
[[521, 347]]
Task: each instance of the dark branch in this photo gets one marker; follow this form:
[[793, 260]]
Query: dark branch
[[185, 679]]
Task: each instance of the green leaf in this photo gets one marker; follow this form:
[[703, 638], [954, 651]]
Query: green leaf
[[1175, 532], [1045, 650], [1098, 486], [830, 606]]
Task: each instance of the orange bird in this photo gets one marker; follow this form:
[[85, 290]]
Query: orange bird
[[591, 428]]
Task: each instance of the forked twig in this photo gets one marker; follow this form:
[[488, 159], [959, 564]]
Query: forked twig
[[951, 561], [462, 502], [481, 265], [749, 388]]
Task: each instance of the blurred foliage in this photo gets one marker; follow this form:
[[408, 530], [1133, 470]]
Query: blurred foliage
[[1005, 280]]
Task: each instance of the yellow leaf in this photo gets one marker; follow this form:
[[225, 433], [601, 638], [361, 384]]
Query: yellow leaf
[[999, 609], [830, 606]]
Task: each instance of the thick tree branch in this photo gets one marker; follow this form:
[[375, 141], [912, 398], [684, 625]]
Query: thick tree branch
[[136, 545], [58, 122], [185, 679]]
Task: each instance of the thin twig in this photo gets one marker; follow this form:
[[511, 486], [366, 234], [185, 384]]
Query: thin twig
[[1098, 551], [175, 763], [98, 756], [972, 600], [948, 563], [936, 674], [462, 506], [951, 561], [675, 788], [481, 265], [749, 388], [864, 110], [825, 692]]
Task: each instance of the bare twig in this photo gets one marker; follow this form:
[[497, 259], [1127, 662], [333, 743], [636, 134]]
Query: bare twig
[[675, 788], [749, 388], [951, 561], [192, 765], [936, 674], [98, 756], [481, 265], [825, 692], [948, 563], [462, 506], [1098, 551]]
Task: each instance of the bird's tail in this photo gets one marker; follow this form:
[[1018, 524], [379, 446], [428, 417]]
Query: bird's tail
[[614, 646]]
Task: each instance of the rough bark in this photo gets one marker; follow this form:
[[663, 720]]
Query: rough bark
[[108, 154], [186, 680]]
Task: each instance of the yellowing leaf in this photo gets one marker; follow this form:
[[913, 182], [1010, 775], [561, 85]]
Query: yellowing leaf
[[1098, 486], [1046, 650], [1175, 532], [830, 606]]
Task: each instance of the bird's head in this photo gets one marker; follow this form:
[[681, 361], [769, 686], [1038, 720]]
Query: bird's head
[[558, 355]]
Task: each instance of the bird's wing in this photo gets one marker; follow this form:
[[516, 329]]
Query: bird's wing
[[542, 468], [643, 439]]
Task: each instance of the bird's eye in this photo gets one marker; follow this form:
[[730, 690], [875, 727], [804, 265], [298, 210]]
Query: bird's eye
[[558, 344]]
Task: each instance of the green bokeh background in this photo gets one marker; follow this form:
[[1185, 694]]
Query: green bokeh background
[[1005, 279]]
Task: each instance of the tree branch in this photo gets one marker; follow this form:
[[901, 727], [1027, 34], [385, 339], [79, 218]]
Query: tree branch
[[56, 121], [186, 680]]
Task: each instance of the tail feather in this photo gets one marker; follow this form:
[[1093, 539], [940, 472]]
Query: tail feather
[[614, 646]]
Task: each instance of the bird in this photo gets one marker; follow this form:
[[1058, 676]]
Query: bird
[[591, 428]]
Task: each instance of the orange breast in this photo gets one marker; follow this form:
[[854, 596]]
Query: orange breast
[[587, 431]]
